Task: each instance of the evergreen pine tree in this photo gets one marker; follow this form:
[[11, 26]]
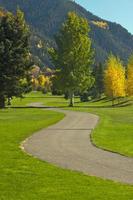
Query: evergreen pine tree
[[14, 56]]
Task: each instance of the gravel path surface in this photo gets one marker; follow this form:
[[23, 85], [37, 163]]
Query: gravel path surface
[[67, 144]]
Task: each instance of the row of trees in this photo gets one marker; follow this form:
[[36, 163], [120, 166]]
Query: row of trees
[[118, 80], [73, 58], [17, 73], [75, 72], [113, 79]]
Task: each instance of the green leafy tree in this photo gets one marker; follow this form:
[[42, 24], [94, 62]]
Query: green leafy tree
[[98, 73], [73, 56], [15, 59]]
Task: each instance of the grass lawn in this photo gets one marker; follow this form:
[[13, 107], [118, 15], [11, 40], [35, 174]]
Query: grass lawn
[[23, 177], [115, 129]]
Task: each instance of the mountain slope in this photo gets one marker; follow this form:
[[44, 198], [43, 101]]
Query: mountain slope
[[46, 16]]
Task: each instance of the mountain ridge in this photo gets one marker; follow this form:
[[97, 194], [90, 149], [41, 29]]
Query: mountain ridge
[[46, 16]]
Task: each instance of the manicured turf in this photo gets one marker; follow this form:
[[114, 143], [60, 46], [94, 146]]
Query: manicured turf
[[115, 129], [23, 177]]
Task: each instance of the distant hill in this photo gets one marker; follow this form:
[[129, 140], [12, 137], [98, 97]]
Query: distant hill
[[46, 16]]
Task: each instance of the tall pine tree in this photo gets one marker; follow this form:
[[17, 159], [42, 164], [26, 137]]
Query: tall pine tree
[[14, 55]]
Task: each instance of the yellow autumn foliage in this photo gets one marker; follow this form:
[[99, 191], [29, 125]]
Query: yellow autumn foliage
[[41, 80], [35, 83], [101, 24], [114, 78], [2, 13], [44, 81], [129, 82]]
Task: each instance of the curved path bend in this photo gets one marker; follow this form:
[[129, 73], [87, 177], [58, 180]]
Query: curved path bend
[[67, 144]]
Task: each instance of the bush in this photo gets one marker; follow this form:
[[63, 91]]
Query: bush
[[84, 97]]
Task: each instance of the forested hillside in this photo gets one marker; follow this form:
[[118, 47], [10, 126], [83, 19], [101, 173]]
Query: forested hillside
[[46, 16]]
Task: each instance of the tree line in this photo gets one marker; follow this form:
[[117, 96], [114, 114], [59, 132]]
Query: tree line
[[114, 79], [118, 80], [75, 69], [73, 58]]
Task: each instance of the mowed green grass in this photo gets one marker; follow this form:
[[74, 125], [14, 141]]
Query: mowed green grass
[[23, 177], [115, 129]]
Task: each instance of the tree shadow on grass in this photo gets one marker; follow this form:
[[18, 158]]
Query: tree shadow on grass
[[125, 103], [45, 97], [36, 107], [99, 99], [64, 107]]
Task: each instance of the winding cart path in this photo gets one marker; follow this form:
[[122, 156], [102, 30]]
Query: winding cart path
[[67, 144]]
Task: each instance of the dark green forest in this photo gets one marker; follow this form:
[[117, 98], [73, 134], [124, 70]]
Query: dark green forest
[[46, 16]]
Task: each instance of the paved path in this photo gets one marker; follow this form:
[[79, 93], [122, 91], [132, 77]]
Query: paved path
[[67, 144]]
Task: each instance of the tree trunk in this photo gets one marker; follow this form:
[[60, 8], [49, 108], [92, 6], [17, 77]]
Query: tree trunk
[[2, 102], [71, 99]]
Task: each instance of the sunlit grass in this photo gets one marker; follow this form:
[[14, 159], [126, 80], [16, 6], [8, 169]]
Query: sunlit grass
[[115, 129], [23, 177]]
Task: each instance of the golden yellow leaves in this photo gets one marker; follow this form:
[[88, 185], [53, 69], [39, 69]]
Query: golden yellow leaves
[[41, 81], [114, 78], [101, 24]]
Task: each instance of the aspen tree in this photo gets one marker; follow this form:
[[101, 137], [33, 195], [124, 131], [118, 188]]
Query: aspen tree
[[114, 78]]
